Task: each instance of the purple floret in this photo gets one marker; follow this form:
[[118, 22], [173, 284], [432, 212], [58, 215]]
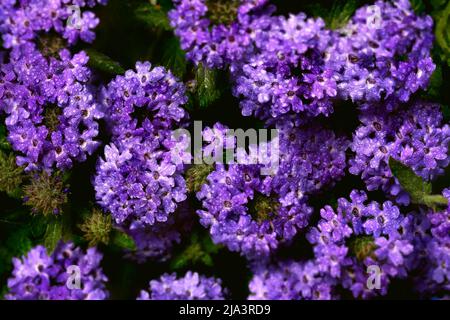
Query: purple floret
[[288, 74], [291, 281], [416, 137], [52, 116], [22, 21], [191, 286], [383, 53], [38, 275], [358, 236]]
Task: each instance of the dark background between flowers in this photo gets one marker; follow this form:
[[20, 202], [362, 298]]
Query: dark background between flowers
[[137, 30]]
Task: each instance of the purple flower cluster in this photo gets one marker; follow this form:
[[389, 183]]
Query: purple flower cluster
[[291, 281], [311, 159], [243, 210], [48, 277], [51, 110], [282, 67], [416, 136], [431, 232], [289, 74], [22, 21], [358, 236], [147, 93], [140, 180], [218, 45], [191, 286], [157, 241], [383, 53]]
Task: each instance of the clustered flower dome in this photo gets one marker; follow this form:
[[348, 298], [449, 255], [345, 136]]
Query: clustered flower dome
[[359, 235], [291, 280], [191, 286], [22, 21], [312, 158], [51, 112], [140, 180], [218, 33], [415, 135], [40, 276], [288, 74], [383, 54], [145, 93]]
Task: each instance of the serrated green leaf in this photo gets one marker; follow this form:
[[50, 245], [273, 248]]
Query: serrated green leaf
[[53, 234], [102, 62], [154, 16], [207, 90], [122, 240], [412, 183], [174, 58]]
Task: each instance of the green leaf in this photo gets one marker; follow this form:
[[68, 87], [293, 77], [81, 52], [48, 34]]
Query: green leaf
[[153, 15], [442, 19], [102, 62], [207, 89], [53, 234], [419, 190], [338, 15], [436, 81], [122, 240], [174, 58], [4, 144]]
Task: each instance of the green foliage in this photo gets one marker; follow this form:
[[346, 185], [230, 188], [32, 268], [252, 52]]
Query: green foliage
[[53, 234], [442, 20], [199, 251], [419, 190], [122, 240], [11, 175], [206, 88], [196, 176], [46, 194], [4, 144], [103, 63], [97, 228], [338, 15], [174, 58], [153, 15]]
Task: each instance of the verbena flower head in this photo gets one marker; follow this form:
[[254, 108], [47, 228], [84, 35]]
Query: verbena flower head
[[288, 74], [242, 207], [291, 281], [312, 158], [38, 275], [157, 241], [383, 53], [216, 33], [191, 286], [361, 235], [51, 111], [147, 93], [138, 181], [415, 136], [431, 231], [22, 21]]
